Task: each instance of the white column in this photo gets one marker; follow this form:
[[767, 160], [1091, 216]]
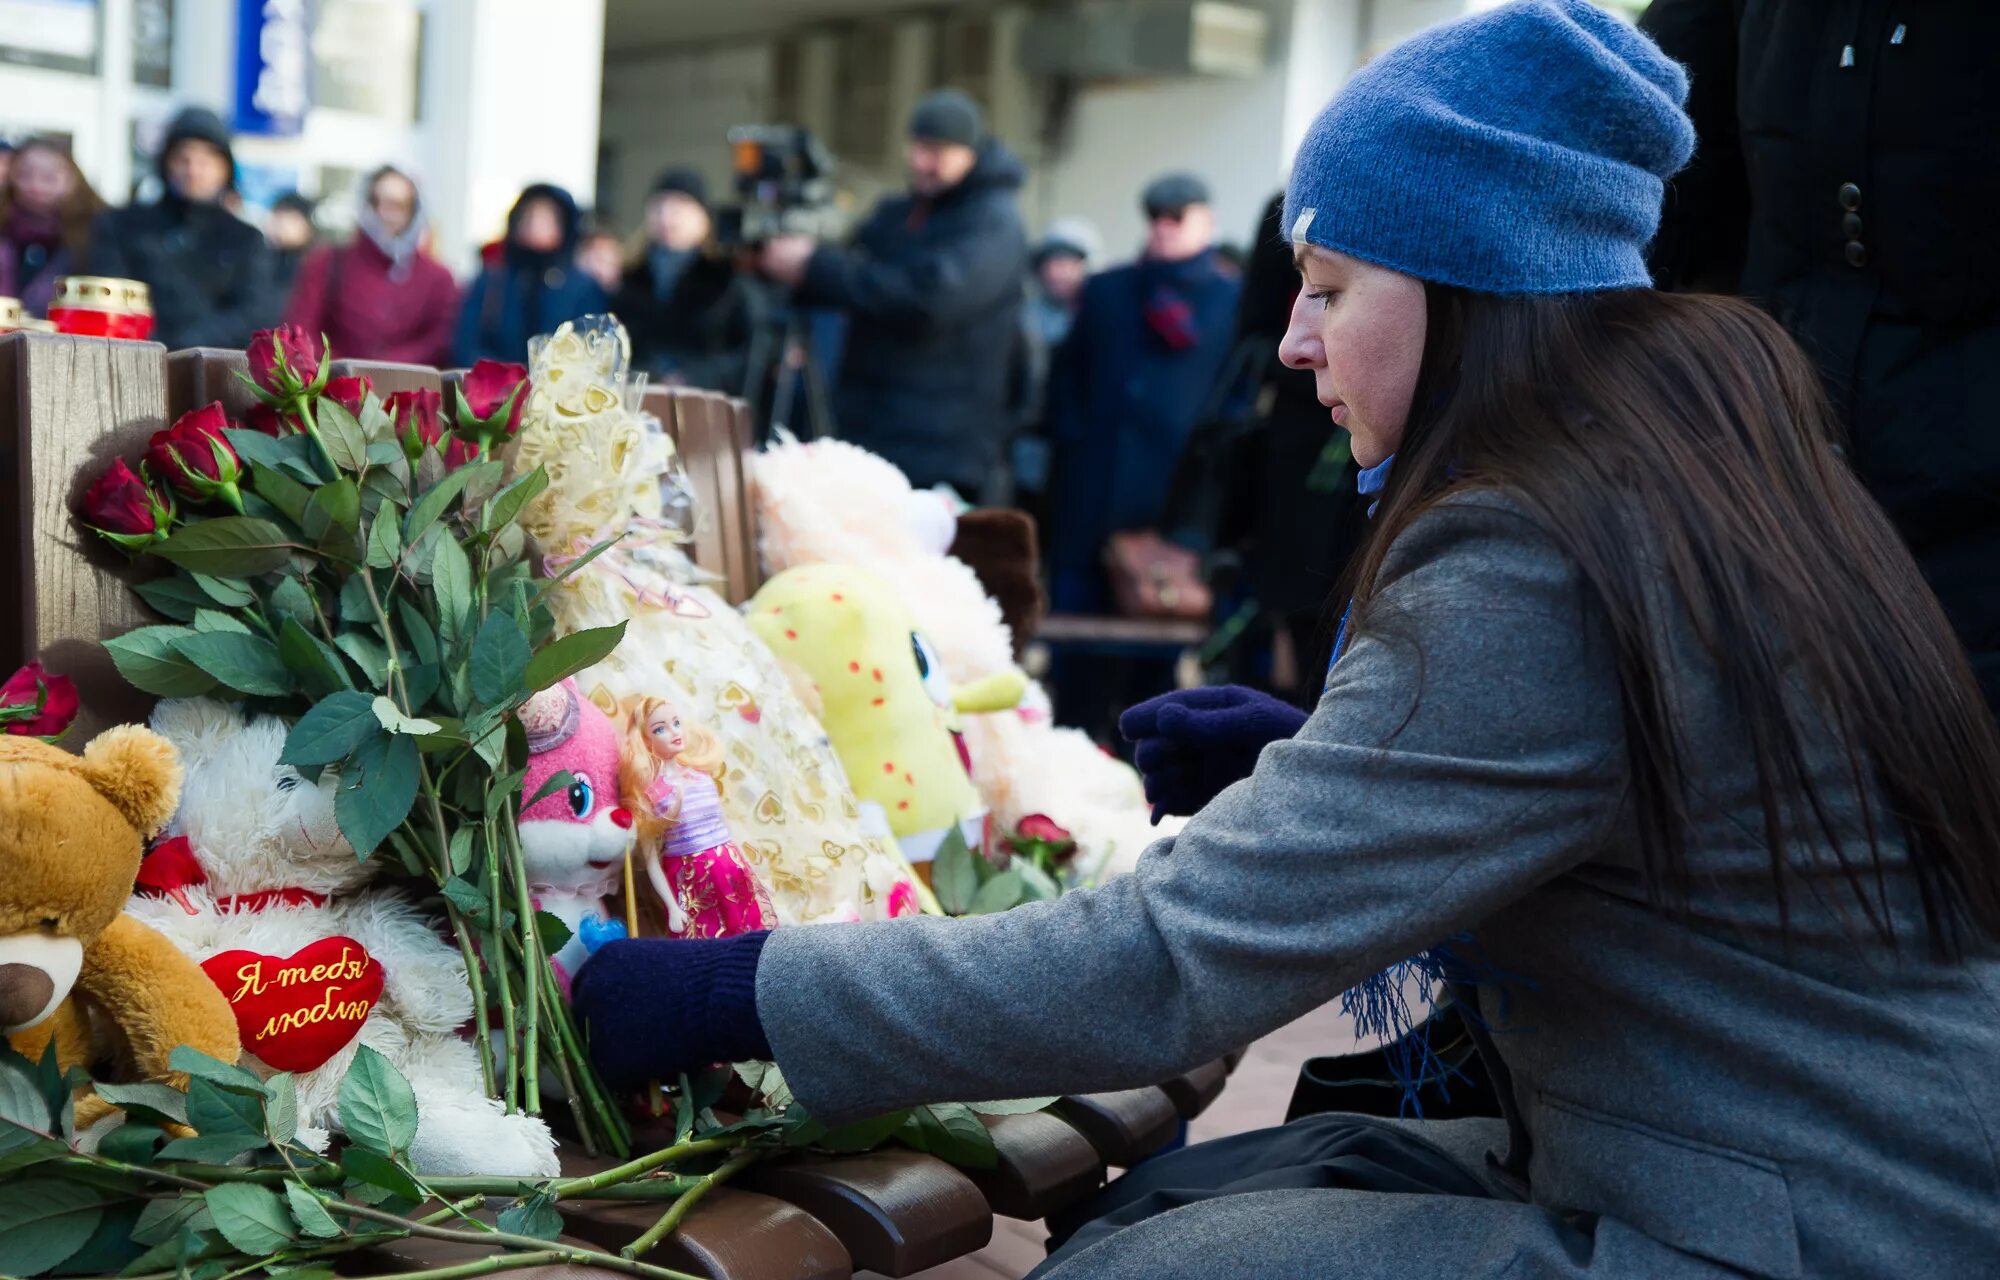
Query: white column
[[511, 92], [1325, 47], [111, 161]]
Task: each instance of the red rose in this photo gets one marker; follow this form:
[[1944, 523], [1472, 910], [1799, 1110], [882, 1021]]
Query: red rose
[[262, 417], [29, 687], [194, 457], [285, 361], [1039, 826], [458, 453], [419, 419], [349, 392], [169, 869], [127, 510], [491, 399]]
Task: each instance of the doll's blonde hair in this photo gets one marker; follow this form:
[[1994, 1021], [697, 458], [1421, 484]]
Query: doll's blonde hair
[[638, 766]]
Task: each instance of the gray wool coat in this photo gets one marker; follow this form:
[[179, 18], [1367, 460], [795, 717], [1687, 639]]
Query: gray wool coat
[[1687, 1094]]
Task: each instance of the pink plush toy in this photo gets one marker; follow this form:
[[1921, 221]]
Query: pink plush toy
[[573, 841]]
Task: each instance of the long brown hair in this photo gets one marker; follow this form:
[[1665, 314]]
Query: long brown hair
[[1652, 436], [78, 209]]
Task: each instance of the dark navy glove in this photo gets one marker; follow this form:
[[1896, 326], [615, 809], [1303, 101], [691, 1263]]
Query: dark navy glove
[[1192, 743], [652, 1008]]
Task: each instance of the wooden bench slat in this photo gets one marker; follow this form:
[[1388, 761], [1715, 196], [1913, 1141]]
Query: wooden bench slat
[[897, 1212], [1045, 1164], [389, 378], [69, 407], [199, 375], [1193, 1092], [424, 1255], [1125, 1126], [732, 1234]]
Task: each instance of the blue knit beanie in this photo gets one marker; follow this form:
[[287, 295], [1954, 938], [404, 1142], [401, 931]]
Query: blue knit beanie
[[1521, 150]]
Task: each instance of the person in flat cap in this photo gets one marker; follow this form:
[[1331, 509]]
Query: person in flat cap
[[1125, 389], [214, 279], [1646, 749], [689, 312], [932, 288]]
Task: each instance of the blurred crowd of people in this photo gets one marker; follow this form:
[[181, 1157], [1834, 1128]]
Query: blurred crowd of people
[[1107, 398]]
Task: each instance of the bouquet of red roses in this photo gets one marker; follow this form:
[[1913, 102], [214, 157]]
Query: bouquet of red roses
[[355, 565]]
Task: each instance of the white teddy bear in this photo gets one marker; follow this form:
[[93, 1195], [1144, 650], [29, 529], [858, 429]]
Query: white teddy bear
[[273, 880]]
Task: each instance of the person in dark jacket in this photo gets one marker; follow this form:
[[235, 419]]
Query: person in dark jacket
[[1129, 383], [932, 291], [212, 276], [292, 235], [687, 309], [535, 287], [381, 296], [46, 211], [1847, 180]]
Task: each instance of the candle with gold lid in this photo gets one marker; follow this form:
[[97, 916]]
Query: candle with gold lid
[[102, 307]]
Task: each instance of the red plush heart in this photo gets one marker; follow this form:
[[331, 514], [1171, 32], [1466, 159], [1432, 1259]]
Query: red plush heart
[[297, 1012]]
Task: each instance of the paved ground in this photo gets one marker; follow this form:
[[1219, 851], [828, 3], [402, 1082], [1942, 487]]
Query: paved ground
[[1255, 1098]]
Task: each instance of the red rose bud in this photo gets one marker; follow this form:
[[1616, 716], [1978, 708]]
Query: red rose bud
[[127, 510], [349, 392], [169, 870], [459, 452], [195, 457], [419, 419], [491, 398], [262, 417], [1039, 826], [285, 362], [37, 704]]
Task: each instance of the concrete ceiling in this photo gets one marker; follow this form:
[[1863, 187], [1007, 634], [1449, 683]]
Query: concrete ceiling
[[634, 26]]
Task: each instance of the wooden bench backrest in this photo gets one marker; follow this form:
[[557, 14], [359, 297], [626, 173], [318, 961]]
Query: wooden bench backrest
[[68, 406]]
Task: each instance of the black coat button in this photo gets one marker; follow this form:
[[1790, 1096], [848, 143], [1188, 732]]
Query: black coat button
[[1857, 254], [1850, 225], [1850, 196]]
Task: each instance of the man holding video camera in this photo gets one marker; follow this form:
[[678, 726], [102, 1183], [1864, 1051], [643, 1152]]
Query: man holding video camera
[[932, 289]]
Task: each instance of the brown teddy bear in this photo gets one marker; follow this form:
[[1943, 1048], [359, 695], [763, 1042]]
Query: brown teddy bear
[[113, 995]]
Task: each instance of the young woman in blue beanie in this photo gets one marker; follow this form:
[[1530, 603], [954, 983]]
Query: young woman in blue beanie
[[1645, 731]]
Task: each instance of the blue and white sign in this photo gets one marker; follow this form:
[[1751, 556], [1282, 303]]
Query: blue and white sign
[[273, 66]]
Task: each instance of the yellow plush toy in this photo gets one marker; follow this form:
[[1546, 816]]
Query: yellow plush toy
[[888, 707], [110, 993]]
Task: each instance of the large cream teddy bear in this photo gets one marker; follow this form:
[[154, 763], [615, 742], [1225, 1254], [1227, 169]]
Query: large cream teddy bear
[[829, 502], [268, 896]]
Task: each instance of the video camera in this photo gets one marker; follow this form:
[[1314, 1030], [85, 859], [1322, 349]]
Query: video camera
[[784, 186]]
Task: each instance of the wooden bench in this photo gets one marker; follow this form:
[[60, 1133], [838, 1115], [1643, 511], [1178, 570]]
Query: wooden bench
[[68, 406]]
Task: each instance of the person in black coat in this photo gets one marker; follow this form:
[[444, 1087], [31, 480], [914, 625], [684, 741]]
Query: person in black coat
[[535, 286], [687, 309], [1847, 178], [1129, 383], [212, 276], [932, 289]]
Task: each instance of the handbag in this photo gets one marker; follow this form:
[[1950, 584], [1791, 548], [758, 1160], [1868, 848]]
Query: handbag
[[1153, 578]]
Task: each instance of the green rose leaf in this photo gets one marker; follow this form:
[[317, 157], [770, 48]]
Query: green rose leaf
[[281, 1108], [336, 726], [286, 495], [218, 1148], [952, 1133], [309, 658], [333, 506], [954, 877], [451, 583], [1001, 893], [392, 720], [500, 658], [571, 654], [377, 1108], [290, 599], [430, 508], [203, 1067], [507, 505], [230, 595], [208, 621], [175, 598], [377, 1170], [251, 1218], [368, 653], [416, 632], [1039, 884], [536, 1216], [146, 657], [1011, 1107], [346, 443], [162, 1220], [469, 900], [862, 1135], [162, 1104], [45, 1221], [214, 1111], [246, 663], [229, 547], [385, 542], [355, 605], [553, 933], [459, 853], [377, 788], [309, 1213]]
